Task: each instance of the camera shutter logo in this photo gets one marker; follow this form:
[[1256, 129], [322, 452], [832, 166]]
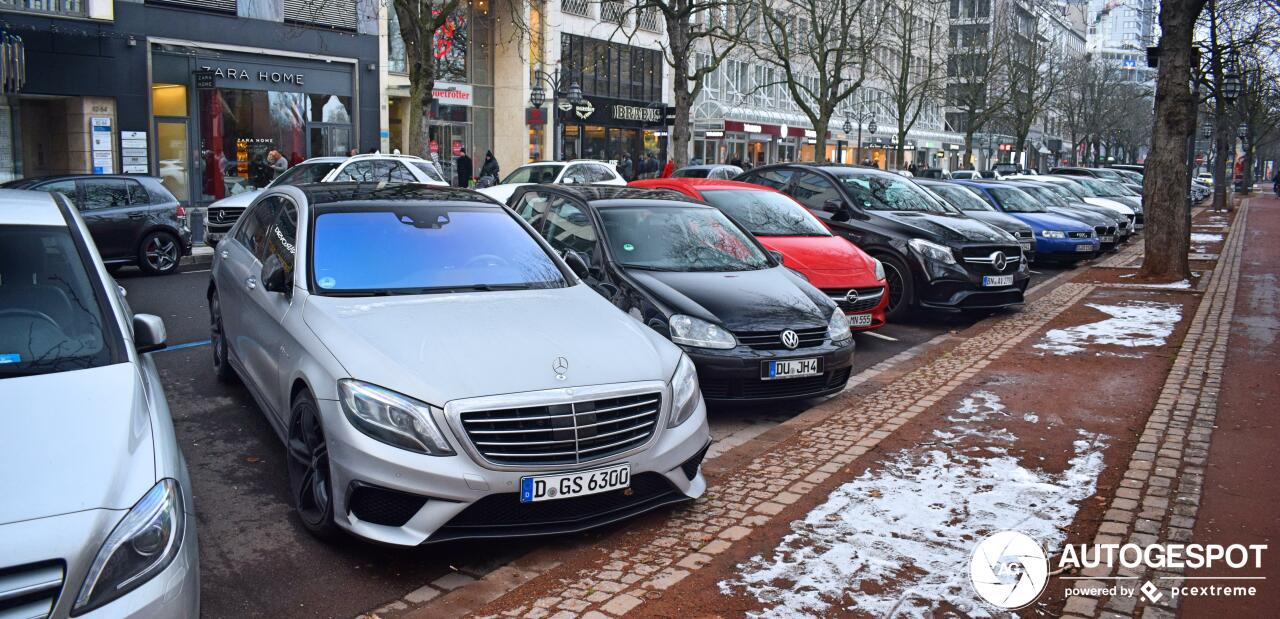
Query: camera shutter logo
[[790, 339], [1009, 569]]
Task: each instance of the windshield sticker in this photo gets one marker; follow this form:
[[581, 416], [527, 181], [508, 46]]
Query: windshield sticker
[[327, 282], [10, 358], [628, 247]]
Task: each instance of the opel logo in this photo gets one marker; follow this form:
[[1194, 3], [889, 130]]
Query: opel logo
[[790, 339], [999, 261], [560, 366], [852, 297]]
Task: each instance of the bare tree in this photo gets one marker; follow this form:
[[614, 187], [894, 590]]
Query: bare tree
[[709, 30], [1089, 95], [1131, 128], [819, 48], [1167, 175], [1258, 108], [1035, 77], [978, 85], [909, 60]]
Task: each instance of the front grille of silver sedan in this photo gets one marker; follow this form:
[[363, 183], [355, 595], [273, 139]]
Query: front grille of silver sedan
[[571, 433], [30, 591]]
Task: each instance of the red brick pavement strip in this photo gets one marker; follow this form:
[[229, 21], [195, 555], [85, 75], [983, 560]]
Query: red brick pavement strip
[[1240, 493], [1165, 476], [651, 560]]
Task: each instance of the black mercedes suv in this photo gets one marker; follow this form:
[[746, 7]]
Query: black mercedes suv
[[933, 256]]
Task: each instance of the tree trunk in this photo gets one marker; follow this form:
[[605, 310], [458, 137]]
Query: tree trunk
[[1164, 196], [820, 128], [1247, 187], [968, 151], [682, 131], [1222, 153]]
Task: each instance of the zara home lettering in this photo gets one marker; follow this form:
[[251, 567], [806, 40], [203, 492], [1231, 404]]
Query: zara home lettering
[[275, 77]]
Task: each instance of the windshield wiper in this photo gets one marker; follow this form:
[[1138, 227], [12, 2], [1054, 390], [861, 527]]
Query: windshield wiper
[[643, 267], [466, 288], [356, 293]]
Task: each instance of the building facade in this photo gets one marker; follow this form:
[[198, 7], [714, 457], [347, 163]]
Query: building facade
[[1120, 31], [197, 92]]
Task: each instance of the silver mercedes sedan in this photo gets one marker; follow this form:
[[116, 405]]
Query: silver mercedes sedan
[[437, 372], [97, 518]]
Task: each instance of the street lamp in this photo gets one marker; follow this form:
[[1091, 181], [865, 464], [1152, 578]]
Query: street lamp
[[1242, 131], [538, 96], [1230, 86]]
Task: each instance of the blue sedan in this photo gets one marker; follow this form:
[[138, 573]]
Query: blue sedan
[[1058, 238]]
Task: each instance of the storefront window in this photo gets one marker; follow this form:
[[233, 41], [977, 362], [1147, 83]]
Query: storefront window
[[593, 143], [238, 131], [169, 100], [328, 109]]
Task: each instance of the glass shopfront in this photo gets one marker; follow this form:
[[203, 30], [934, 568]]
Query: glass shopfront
[[224, 121], [622, 110], [605, 129]]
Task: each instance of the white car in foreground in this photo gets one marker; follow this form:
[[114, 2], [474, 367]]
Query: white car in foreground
[[97, 519], [576, 172]]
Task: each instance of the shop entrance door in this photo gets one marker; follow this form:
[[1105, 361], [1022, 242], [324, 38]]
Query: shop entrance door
[[445, 141], [173, 157], [328, 141]]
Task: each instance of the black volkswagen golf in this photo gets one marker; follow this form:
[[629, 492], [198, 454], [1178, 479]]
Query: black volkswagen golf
[[933, 256], [755, 329]]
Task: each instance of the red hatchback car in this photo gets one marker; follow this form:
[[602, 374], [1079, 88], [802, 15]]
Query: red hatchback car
[[854, 280]]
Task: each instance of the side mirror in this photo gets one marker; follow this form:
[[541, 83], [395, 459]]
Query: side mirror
[[576, 263], [148, 333], [274, 278], [777, 255], [834, 205]]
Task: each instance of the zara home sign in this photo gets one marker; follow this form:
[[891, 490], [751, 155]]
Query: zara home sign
[[273, 77]]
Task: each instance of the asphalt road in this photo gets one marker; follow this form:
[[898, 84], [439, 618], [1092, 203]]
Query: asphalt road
[[256, 559]]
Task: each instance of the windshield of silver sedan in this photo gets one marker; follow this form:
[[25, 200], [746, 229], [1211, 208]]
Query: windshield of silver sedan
[[422, 249], [679, 239], [51, 320]]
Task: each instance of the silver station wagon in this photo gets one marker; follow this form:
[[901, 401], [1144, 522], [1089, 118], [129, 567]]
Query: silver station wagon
[[437, 372]]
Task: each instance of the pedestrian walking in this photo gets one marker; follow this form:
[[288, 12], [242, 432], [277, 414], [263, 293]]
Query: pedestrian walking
[[463, 166], [488, 171], [626, 167], [277, 162], [651, 166]]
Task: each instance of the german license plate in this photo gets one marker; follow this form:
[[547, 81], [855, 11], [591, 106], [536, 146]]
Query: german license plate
[[997, 280], [1025, 246], [791, 368], [859, 320], [1084, 248], [1108, 239], [537, 488]]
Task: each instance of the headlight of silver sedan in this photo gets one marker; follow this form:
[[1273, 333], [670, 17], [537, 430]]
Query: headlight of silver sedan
[[685, 394], [392, 418], [141, 546]]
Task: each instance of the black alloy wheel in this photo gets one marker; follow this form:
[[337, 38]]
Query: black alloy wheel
[[901, 287], [160, 253], [218, 341], [309, 476]]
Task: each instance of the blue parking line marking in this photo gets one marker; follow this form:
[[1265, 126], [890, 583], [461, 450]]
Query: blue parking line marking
[[187, 345]]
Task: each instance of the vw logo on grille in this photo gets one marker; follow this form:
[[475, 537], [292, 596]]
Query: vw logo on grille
[[790, 339], [999, 261], [560, 366]]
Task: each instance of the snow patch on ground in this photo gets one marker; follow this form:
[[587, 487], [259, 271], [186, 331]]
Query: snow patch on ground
[[896, 541], [1131, 324], [1201, 237], [1179, 285], [1031, 418]]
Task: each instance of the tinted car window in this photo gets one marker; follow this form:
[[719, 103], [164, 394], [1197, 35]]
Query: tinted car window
[[961, 197], [401, 174], [305, 173], [533, 174], [253, 226], [533, 208], [887, 192], [691, 173], [679, 239], [776, 178], [600, 174], [282, 236], [765, 213], [61, 323], [429, 169], [367, 171], [1045, 196], [65, 187], [137, 193], [105, 193], [813, 191], [1015, 200], [569, 227], [576, 174], [420, 248]]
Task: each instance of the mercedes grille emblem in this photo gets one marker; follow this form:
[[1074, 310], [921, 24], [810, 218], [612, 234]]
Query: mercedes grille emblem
[[999, 261], [790, 339], [560, 366]]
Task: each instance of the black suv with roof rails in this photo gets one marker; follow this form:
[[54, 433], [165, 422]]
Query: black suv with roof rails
[[933, 256]]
